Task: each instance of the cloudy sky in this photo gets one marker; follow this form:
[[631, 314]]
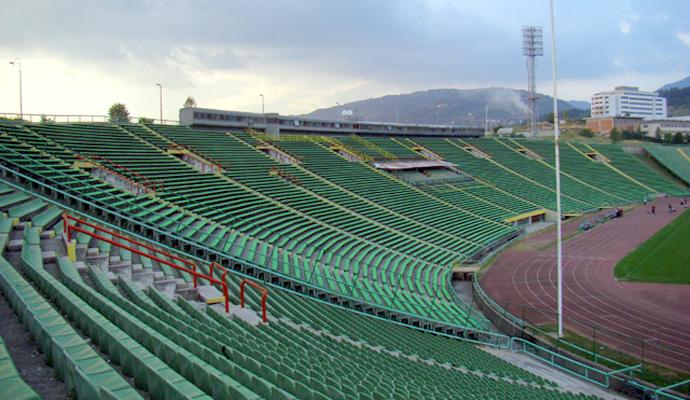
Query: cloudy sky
[[79, 57]]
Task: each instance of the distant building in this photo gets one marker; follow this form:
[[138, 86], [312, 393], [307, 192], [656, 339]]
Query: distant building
[[606, 124], [668, 125], [628, 101]]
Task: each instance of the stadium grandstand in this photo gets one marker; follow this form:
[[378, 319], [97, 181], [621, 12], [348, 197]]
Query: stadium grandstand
[[170, 262]]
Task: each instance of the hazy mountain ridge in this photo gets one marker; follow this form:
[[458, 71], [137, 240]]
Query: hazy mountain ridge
[[447, 106], [683, 83]]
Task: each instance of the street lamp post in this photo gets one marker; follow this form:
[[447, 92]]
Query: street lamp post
[[160, 101], [18, 64]]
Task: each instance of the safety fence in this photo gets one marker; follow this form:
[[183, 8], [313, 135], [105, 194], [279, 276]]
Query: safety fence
[[75, 118]]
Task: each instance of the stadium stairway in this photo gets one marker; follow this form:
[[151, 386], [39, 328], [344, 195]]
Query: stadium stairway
[[146, 341]]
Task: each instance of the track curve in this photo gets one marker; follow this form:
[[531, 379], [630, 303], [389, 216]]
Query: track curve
[[645, 320]]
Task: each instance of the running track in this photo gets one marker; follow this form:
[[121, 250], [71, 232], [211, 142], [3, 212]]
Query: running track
[[624, 313]]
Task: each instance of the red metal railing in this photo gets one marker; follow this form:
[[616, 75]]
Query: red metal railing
[[147, 183], [264, 296], [69, 227]]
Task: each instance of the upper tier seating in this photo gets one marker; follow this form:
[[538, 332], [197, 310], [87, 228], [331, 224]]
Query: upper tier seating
[[675, 158]]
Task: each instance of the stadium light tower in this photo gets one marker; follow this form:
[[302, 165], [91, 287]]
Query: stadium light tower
[[532, 46], [556, 141], [262, 104], [18, 64], [160, 101]]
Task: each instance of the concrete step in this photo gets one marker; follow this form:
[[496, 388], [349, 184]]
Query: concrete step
[[166, 286], [188, 293], [15, 245], [123, 269], [209, 293], [49, 257], [81, 267], [19, 226], [48, 234]]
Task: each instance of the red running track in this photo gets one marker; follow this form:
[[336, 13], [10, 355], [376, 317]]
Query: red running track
[[646, 320]]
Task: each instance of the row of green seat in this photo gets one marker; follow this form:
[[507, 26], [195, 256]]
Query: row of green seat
[[674, 158], [573, 191], [174, 350], [576, 163], [84, 372], [393, 146], [635, 167]]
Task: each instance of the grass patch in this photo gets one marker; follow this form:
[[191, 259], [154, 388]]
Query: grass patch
[[664, 258]]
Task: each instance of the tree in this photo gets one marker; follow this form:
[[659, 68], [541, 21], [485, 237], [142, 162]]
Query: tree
[[657, 133], [46, 120], [616, 135], [190, 102], [586, 132], [144, 120], [118, 113], [668, 137], [678, 138]]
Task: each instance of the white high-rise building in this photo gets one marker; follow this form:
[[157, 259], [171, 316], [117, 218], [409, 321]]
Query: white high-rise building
[[628, 101]]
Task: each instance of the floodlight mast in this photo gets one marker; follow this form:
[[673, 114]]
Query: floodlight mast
[[532, 46], [556, 140]]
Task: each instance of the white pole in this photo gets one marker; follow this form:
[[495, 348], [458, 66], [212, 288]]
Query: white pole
[[486, 119], [21, 100], [556, 140], [160, 102]]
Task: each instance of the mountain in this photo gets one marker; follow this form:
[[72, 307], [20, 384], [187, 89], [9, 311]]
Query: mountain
[[677, 101], [580, 104], [683, 83], [444, 106]]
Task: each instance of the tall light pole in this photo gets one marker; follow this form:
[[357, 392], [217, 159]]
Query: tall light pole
[[160, 101], [556, 141], [18, 64], [262, 104]]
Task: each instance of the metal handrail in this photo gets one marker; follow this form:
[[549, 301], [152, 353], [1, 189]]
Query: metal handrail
[[68, 227], [264, 296], [76, 118]]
